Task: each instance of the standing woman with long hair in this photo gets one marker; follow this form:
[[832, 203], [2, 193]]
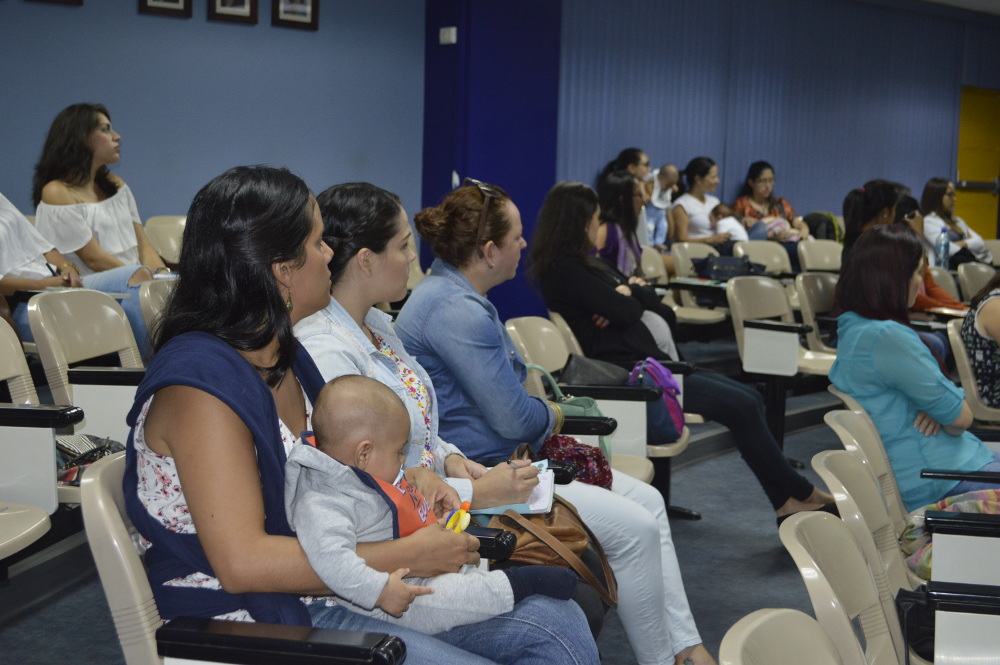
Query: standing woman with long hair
[[692, 210], [88, 213], [938, 206]]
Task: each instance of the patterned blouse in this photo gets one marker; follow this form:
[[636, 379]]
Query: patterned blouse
[[417, 391], [984, 355]]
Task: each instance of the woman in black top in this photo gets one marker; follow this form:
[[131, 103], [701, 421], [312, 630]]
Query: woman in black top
[[605, 308]]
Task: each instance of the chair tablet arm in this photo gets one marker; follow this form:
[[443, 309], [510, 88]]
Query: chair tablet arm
[[962, 524], [39, 415], [213, 640], [678, 367], [106, 376], [975, 476], [589, 426], [778, 326], [968, 598], [619, 393], [985, 433], [928, 326]]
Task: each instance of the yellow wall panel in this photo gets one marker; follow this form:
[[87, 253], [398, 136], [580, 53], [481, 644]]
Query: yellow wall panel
[[979, 158]]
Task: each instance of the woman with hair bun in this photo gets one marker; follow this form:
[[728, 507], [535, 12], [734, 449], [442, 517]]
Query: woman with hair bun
[[455, 333], [89, 214]]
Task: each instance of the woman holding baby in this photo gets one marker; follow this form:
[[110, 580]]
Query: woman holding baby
[[223, 402]]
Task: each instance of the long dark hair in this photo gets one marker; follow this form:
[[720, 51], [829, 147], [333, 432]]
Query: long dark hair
[[752, 174], [561, 230], [239, 225], [357, 215], [66, 155], [696, 168], [933, 194], [626, 158], [615, 196], [863, 204], [452, 228], [874, 280]]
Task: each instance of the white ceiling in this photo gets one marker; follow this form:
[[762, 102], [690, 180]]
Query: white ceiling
[[985, 6]]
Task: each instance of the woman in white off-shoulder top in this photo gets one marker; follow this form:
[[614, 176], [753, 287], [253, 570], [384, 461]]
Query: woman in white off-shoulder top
[[88, 213]]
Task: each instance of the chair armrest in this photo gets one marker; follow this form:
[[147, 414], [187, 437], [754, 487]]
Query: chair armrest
[[985, 433], [619, 393], [106, 376], [779, 326], [242, 642], [962, 524], [589, 426], [958, 597], [975, 476], [39, 415]]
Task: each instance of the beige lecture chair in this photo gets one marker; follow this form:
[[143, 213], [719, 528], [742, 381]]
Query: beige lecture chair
[[972, 277], [816, 298], [843, 592], [994, 247], [777, 637], [656, 273], [653, 269], [75, 325], [684, 254], [153, 297], [945, 281], [820, 255], [774, 257], [165, 233]]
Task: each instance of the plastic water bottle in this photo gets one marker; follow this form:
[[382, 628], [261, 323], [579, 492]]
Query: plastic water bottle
[[941, 248]]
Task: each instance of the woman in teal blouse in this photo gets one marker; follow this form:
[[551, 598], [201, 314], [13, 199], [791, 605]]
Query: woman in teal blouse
[[920, 413]]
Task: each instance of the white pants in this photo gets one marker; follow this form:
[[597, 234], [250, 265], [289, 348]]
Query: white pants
[[661, 333], [630, 520]]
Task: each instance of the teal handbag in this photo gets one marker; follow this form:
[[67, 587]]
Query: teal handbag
[[574, 406]]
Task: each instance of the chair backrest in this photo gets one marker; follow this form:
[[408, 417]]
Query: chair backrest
[[994, 248], [75, 325], [653, 268], [153, 297], [123, 577], [858, 435], [165, 233], [843, 593], [572, 343], [684, 253], [820, 255], [771, 254], [777, 637], [14, 368], [816, 298], [973, 397], [972, 277], [539, 341], [863, 510], [945, 281], [756, 297]]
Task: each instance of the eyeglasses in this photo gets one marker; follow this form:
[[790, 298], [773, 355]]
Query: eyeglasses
[[488, 193], [765, 181]]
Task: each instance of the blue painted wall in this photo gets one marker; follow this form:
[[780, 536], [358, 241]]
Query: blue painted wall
[[192, 97], [832, 92]]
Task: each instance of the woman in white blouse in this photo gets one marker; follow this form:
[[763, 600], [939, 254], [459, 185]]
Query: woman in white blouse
[[87, 212], [937, 203], [692, 210]]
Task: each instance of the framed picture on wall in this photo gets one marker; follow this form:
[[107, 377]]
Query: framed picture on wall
[[237, 11], [180, 8], [302, 14]]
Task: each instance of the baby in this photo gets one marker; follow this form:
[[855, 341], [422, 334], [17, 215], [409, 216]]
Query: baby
[[350, 489], [723, 221]]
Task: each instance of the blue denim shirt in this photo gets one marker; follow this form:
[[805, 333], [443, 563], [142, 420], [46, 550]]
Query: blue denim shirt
[[457, 335], [339, 347]]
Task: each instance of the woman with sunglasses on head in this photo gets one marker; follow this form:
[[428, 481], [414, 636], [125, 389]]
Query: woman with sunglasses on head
[[370, 236], [89, 214], [937, 203], [919, 412], [455, 333]]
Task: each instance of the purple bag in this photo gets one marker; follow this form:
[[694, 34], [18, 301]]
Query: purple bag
[[664, 417]]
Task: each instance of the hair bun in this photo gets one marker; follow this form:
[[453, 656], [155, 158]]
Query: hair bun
[[431, 224]]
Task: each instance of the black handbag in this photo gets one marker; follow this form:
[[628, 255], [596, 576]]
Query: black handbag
[[582, 371], [721, 268]]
